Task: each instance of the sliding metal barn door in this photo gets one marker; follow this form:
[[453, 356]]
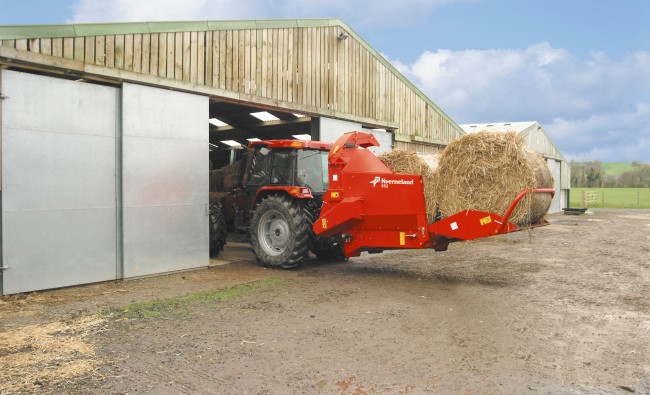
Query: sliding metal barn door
[[58, 182], [165, 180]]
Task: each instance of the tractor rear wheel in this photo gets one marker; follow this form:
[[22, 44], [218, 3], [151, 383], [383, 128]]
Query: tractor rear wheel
[[218, 231], [280, 232]]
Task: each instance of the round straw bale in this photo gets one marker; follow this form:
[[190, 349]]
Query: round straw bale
[[408, 162], [485, 171]]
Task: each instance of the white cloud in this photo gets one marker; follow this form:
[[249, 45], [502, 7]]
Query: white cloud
[[357, 13], [165, 10], [595, 107], [613, 136]]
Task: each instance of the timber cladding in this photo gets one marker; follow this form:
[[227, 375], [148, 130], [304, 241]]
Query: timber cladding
[[307, 68]]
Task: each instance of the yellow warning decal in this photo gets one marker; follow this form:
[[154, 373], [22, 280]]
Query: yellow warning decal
[[486, 220], [335, 150], [324, 223], [402, 238], [335, 195]]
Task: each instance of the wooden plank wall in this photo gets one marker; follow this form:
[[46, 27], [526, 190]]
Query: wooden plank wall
[[308, 67]]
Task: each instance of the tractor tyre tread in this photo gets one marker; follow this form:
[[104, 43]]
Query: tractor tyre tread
[[218, 229], [299, 236]]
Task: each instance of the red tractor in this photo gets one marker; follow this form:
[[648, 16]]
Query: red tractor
[[336, 200], [276, 198]]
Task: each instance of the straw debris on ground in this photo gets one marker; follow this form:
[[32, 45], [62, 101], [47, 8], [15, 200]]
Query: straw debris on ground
[[34, 356]]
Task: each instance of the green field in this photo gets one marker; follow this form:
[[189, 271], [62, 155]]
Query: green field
[[614, 197]]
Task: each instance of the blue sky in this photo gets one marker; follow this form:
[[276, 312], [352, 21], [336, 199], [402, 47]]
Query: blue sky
[[579, 67]]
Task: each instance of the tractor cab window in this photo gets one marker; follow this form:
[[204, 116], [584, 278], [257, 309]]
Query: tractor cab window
[[261, 167], [247, 165], [312, 170], [282, 168]]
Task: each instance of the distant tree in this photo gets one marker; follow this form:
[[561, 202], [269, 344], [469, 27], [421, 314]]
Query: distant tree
[[576, 173], [594, 177], [586, 174], [639, 177], [644, 176], [591, 175], [610, 181]]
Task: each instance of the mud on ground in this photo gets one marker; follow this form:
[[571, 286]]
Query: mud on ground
[[561, 309]]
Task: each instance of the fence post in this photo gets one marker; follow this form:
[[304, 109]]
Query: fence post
[[603, 198]]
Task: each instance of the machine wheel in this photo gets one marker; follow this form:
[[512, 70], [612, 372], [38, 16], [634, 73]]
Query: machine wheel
[[218, 230], [280, 232]]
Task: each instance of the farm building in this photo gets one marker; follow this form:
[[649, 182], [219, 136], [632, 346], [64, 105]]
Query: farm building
[[109, 130], [538, 141]]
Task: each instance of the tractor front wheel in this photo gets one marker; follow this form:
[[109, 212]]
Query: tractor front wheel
[[280, 232]]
